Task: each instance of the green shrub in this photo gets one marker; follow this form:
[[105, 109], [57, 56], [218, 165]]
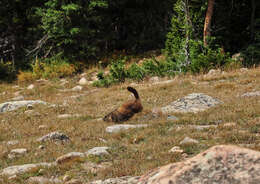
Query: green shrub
[[6, 70], [136, 72], [118, 70]]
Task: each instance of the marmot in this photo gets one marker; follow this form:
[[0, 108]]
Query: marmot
[[127, 110]]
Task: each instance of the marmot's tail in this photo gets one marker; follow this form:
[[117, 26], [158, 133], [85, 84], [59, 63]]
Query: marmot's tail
[[133, 90]]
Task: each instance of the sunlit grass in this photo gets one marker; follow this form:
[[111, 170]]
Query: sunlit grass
[[133, 152]]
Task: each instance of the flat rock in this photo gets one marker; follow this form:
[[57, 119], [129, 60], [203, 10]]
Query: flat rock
[[13, 105], [27, 168], [70, 157], [118, 128], [54, 136], [194, 102], [219, 164]]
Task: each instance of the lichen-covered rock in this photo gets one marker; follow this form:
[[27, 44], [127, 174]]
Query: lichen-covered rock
[[194, 102], [219, 164], [54, 136]]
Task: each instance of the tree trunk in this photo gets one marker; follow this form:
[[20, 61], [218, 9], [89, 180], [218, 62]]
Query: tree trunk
[[252, 24], [209, 13], [187, 34]]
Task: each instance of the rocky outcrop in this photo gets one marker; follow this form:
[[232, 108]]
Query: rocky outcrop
[[194, 102], [219, 164]]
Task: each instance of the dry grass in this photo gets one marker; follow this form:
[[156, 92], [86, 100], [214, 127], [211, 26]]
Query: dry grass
[[132, 152]]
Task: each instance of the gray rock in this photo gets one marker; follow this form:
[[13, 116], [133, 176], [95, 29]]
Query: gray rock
[[118, 128], [194, 102], [17, 153], [98, 151], [27, 168], [10, 106], [188, 140], [219, 164], [54, 136], [251, 94]]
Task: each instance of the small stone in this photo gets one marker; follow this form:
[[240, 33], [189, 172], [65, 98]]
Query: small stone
[[188, 140], [83, 81], [176, 149], [154, 79], [172, 118], [118, 128], [30, 86], [11, 143], [98, 151], [41, 147], [70, 157], [17, 153], [63, 116], [77, 88]]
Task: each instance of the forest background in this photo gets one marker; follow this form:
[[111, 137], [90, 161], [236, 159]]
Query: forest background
[[57, 38]]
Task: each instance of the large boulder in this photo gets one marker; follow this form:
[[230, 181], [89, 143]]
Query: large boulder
[[219, 164], [194, 102]]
